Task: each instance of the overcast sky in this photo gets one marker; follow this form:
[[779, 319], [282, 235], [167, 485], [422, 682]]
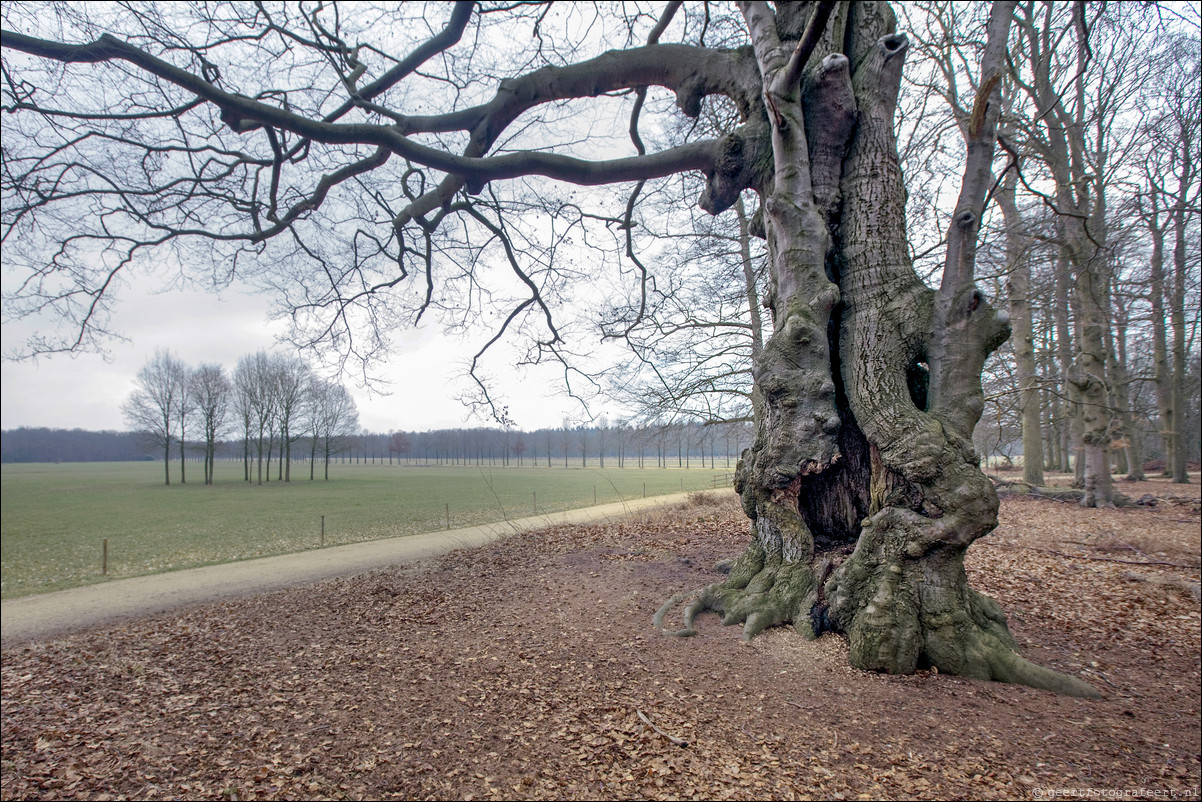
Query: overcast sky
[[426, 368], [86, 391]]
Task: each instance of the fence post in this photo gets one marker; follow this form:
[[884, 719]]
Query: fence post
[[323, 530], [104, 560], [534, 497]]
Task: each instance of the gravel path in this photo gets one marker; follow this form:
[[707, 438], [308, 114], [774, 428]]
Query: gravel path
[[49, 614]]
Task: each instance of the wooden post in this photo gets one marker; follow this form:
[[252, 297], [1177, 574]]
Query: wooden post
[[644, 490], [104, 559], [323, 530], [534, 497]]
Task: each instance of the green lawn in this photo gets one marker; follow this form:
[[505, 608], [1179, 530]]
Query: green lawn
[[55, 517]]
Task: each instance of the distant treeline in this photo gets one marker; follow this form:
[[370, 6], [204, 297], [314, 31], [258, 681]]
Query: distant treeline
[[620, 446], [584, 446], [71, 445]]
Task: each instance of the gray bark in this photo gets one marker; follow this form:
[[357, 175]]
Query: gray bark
[[1019, 291], [1162, 375], [1177, 318], [1132, 453], [1071, 448], [862, 484], [1080, 201]]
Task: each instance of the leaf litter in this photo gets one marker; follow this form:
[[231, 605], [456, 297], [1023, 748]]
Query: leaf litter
[[528, 669]]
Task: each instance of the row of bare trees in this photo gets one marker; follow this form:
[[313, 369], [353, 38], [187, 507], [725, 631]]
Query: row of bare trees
[[622, 445], [271, 402]]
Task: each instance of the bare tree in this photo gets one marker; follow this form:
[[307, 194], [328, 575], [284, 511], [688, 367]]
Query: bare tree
[[244, 413], [693, 347], [290, 376], [333, 421], [211, 392], [1174, 189], [519, 446], [185, 413], [1079, 93], [399, 444], [254, 383], [295, 135], [155, 406]]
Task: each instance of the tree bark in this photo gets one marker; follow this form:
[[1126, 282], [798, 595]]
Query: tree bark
[[1071, 449], [862, 484], [1019, 291], [1162, 373], [1177, 317], [1089, 377], [1133, 457]]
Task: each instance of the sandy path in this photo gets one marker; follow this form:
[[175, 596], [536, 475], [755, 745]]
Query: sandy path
[[49, 614]]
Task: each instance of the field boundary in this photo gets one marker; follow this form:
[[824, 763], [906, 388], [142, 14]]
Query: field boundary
[[46, 615]]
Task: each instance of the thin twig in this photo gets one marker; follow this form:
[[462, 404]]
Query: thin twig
[[681, 742]]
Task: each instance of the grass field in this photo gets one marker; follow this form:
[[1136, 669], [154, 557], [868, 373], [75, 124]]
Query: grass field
[[55, 517]]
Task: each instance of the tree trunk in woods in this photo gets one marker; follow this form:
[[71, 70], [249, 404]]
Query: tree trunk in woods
[[1089, 378], [1078, 166], [863, 486], [1177, 317], [1019, 290], [1052, 403], [1133, 456], [1162, 376], [1071, 449]]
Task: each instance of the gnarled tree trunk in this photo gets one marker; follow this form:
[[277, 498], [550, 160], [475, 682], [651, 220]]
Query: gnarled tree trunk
[[862, 485]]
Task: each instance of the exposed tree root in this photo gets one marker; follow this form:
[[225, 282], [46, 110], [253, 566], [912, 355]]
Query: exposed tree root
[[902, 612], [970, 640], [761, 591]]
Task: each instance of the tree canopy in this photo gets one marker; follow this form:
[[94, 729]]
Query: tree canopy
[[347, 162]]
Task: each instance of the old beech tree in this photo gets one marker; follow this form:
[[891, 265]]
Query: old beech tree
[[145, 133]]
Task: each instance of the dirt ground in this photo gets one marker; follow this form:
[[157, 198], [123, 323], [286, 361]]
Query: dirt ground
[[529, 669]]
